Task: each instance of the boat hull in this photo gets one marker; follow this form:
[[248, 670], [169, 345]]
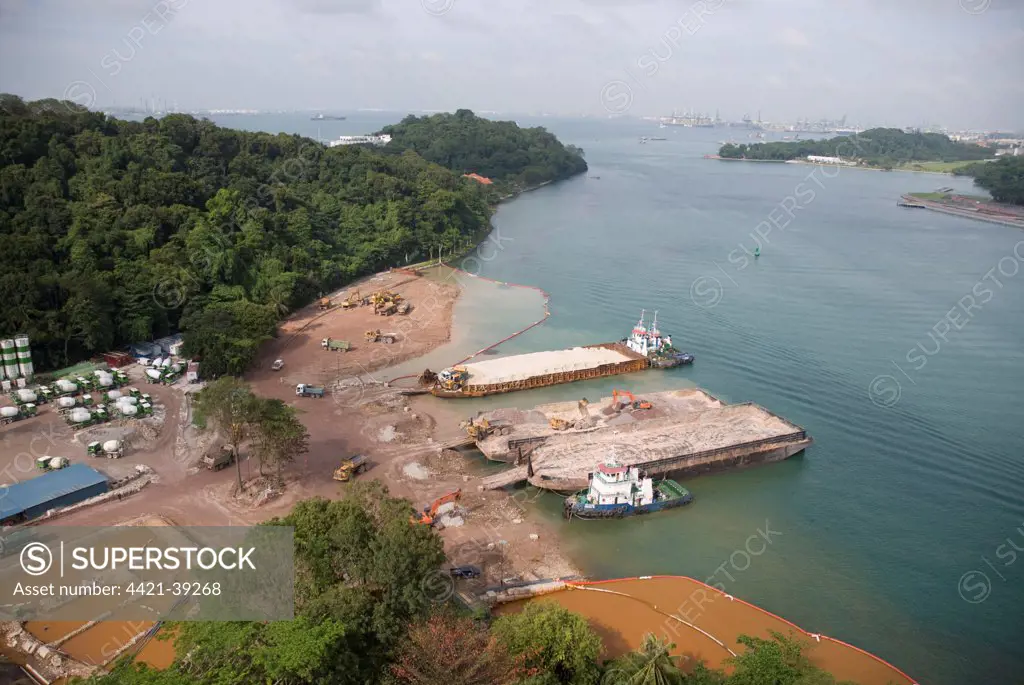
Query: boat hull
[[573, 509]]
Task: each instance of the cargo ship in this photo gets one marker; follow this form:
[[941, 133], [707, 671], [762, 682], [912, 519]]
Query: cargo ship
[[534, 370], [616, 491], [641, 350]]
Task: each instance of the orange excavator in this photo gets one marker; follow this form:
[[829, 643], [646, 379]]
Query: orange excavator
[[427, 517], [632, 400]]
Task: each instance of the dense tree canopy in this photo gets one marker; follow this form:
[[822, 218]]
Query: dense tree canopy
[[882, 147], [114, 231], [1004, 178], [499, 150]]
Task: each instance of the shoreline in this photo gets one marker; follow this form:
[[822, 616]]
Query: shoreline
[[964, 213]]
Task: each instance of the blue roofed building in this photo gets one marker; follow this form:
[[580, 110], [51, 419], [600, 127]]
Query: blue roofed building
[[32, 498]]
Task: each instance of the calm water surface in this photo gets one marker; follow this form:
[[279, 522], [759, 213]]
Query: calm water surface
[[894, 531]]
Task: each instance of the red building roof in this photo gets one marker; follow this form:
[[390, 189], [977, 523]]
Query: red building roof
[[611, 470]]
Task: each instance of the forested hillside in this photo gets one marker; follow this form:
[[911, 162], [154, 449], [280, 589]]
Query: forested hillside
[[113, 231], [499, 150], [1004, 178], [882, 147]]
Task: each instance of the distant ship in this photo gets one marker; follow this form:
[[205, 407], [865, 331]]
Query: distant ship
[[328, 117]]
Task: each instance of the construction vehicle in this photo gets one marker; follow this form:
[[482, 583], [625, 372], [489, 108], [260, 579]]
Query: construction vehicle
[[335, 345], [216, 459], [403, 308], [303, 390], [355, 299], [453, 378], [324, 304], [377, 336], [429, 514], [111, 449], [51, 463], [385, 302], [277, 365], [478, 430], [350, 467], [560, 424], [12, 414], [632, 401], [93, 449]]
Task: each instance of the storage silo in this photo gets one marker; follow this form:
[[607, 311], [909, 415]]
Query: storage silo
[[10, 358], [24, 354]]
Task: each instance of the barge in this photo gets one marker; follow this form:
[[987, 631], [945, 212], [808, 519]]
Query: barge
[[617, 491], [535, 370]]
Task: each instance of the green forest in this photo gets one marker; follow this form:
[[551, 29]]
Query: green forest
[[375, 607], [515, 157], [115, 232], [877, 147], [1004, 178]]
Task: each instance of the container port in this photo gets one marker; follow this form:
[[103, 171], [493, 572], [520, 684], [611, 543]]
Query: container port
[[680, 432], [536, 370]]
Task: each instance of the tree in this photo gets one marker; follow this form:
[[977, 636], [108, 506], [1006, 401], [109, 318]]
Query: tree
[[650, 664], [454, 651], [1004, 178], [552, 640], [229, 402], [276, 432], [778, 661]]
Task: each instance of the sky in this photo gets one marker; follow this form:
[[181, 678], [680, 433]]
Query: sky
[[956, 63]]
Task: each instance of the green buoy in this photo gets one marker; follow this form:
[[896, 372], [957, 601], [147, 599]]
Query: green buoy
[[757, 252]]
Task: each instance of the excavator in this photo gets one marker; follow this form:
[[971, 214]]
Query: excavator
[[632, 401], [559, 424], [355, 299], [429, 513]]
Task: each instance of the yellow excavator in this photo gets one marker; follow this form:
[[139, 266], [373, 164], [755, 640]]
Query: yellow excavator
[[354, 299]]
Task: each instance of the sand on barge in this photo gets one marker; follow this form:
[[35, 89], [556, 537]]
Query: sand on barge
[[684, 433], [535, 370]]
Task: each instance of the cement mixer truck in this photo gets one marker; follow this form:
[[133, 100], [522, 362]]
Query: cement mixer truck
[[51, 463], [12, 414]]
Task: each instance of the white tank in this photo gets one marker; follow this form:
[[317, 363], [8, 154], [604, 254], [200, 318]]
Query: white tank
[[153, 373], [66, 402], [157, 362], [58, 462], [66, 386], [165, 363], [175, 367], [80, 415], [128, 400], [114, 395], [8, 412], [128, 409], [105, 381], [111, 445], [26, 396]]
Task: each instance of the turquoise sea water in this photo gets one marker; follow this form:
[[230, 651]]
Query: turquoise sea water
[[894, 336]]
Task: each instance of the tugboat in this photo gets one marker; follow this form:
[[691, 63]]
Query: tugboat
[[657, 349], [616, 491]]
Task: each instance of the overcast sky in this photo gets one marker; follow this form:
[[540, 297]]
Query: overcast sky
[[899, 62]]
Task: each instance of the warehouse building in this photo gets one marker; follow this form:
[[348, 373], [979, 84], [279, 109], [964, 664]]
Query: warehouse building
[[52, 490]]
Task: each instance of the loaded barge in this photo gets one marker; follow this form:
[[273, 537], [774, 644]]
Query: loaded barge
[[641, 350]]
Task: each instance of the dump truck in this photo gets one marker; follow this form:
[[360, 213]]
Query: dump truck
[[12, 414], [277, 365], [377, 336], [303, 390], [324, 304], [335, 345], [453, 378], [560, 424], [403, 308], [217, 458], [482, 428], [351, 466]]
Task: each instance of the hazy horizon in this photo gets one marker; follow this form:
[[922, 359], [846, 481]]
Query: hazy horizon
[[953, 63]]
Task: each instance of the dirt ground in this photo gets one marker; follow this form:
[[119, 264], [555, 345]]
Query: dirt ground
[[401, 435]]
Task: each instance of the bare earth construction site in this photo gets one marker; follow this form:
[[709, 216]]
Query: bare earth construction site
[[683, 432]]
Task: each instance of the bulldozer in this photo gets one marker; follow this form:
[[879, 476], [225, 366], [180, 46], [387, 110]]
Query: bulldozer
[[429, 514], [376, 336], [385, 302], [480, 429], [560, 424], [632, 402]]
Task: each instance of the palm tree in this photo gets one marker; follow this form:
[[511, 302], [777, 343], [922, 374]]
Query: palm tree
[[651, 664]]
